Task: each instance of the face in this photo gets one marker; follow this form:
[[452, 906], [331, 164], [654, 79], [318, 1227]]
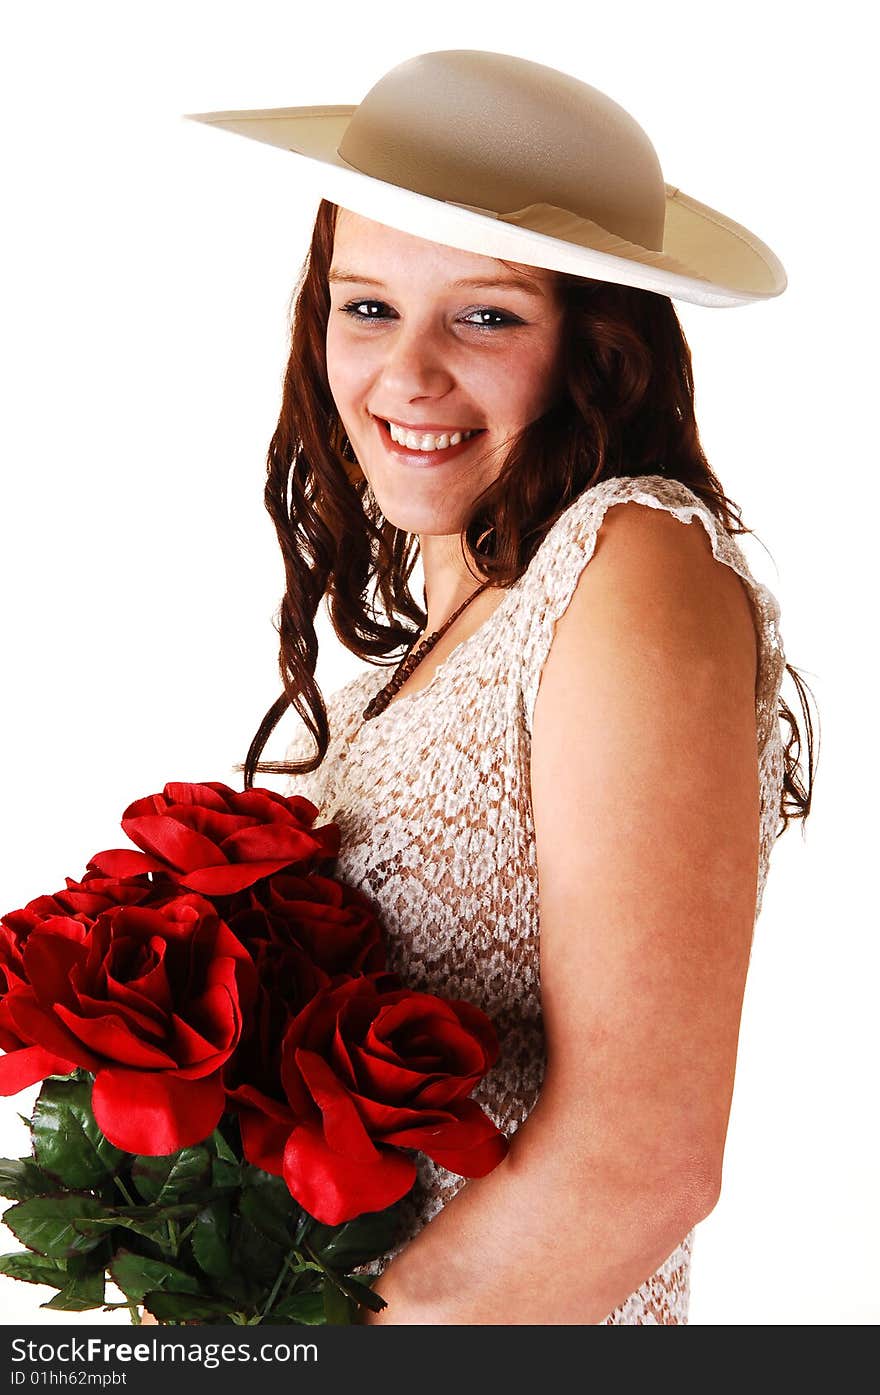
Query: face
[[426, 344]]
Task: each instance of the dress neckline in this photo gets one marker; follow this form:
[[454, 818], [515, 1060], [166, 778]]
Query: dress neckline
[[504, 606], [403, 699]]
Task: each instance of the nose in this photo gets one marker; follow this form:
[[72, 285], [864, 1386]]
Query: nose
[[415, 365]]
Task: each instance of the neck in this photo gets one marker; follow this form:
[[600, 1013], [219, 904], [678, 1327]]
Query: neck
[[448, 583]]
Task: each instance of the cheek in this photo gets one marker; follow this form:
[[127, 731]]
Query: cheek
[[546, 375], [346, 367], [529, 385], [335, 365]]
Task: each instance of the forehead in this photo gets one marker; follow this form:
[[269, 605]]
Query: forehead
[[373, 251]]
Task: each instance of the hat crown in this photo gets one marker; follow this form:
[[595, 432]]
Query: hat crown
[[497, 132]]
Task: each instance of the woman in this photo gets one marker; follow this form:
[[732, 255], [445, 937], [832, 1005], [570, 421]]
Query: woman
[[564, 799]]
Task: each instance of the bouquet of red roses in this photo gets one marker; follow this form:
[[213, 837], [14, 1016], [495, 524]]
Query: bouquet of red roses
[[235, 1086]]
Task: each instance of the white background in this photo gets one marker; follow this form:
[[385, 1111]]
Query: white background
[[147, 271]]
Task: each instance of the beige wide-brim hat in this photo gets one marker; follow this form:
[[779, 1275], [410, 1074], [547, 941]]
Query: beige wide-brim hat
[[514, 160]]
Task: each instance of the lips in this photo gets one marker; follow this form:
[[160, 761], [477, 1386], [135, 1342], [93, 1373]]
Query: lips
[[423, 457]]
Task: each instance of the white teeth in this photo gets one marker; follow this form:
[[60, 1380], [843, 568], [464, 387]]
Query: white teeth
[[424, 441]]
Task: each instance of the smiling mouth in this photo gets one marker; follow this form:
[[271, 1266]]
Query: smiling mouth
[[425, 443]]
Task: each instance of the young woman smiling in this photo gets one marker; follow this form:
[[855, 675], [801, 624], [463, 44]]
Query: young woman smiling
[[564, 801]]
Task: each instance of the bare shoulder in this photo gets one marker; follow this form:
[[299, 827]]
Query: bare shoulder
[[657, 628], [658, 571]]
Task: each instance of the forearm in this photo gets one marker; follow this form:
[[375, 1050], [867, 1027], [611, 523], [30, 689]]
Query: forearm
[[543, 1239]]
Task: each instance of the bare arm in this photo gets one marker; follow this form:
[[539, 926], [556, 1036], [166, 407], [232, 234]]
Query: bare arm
[[646, 803]]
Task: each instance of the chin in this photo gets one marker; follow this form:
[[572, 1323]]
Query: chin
[[418, 521]]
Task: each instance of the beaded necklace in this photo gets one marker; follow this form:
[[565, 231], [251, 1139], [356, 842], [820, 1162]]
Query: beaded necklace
[[411, 661]]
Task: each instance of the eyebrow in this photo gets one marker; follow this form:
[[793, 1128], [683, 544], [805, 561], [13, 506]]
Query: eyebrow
[[510, 283]]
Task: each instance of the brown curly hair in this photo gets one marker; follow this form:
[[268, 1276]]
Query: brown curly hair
[[627, 409]]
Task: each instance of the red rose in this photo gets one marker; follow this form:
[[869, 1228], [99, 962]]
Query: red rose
[[25, 1062], [335, 924], [79, 902], [151, 1000], [86, 899], [217, 841], [370, 1071], [303, 933], [287, 979]]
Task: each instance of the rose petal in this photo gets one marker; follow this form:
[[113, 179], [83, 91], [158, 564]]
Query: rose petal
[[20, 1069], [124, 862], [270, 842], [226, 878], [213, 824], [155, 1113], [140, 1024], [197, 1054], [110, 1037], [209, 794], [386, 1080], [384, 1122], [266, 804], [334, 1188], [445, 1090], [49, 960], [36, 1024], [263, 1138], [469, 1146], [178, 846], [475, 1021], [342, 1125], [342, 1061]]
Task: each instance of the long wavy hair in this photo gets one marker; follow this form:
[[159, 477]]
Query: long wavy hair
[[627, 409]]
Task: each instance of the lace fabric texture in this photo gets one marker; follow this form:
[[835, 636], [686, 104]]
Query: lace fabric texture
[[432, 800]]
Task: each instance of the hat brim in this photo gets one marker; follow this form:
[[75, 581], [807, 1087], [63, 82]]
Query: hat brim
[[707, 258]]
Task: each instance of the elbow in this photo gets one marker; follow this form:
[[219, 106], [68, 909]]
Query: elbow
[[665, 1204], [699, 1191]]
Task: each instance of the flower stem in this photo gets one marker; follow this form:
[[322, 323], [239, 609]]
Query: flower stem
[[187, 1231], [277, 1284], [124, 1189]]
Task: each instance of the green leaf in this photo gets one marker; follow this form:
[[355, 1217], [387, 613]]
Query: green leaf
[[221, 1148], [253, 1256], [270, 1208], [226, 1168], [57, 1226], [148, 1221], [338, 1310], [34, 1269], [79, 1294], [300, 1307], [355, 1242], [211, 1241], [136, 1275], [21, 1178], [361, 1293], [184, 1307], [172, 1176], [67, 1142], [225, 1174]]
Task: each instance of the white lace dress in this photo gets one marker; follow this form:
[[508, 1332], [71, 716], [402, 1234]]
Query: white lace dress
[[432, 799]]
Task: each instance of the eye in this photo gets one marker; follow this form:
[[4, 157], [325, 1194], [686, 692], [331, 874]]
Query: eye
[[481, 317], [365, 309], [490, 318]]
